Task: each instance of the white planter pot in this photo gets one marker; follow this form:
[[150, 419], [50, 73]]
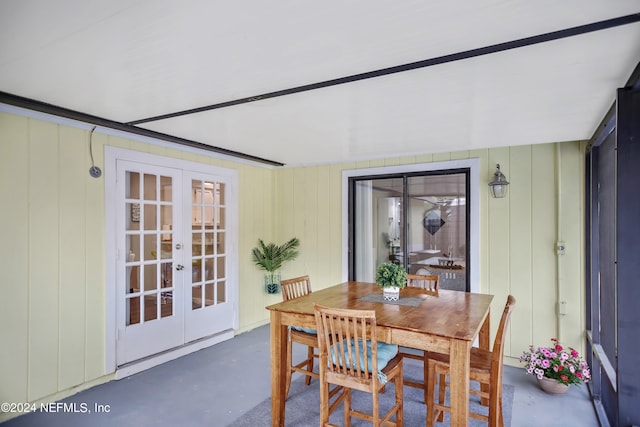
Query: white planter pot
[[391, 293], [552, 386]]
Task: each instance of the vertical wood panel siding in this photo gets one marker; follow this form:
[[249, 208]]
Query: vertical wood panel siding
[[44, 259], [520, 235], [543, 224], [14, 253], [572, 232], [517, 234], [94, 244], [72, 250], [54, 269], [256, 221]]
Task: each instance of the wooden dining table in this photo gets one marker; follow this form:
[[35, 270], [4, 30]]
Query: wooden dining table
[[445, 322]]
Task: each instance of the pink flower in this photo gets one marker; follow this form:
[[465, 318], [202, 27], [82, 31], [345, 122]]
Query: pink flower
[[555, 362]]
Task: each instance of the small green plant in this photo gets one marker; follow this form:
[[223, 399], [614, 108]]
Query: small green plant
[[270, 257], [390, 274]]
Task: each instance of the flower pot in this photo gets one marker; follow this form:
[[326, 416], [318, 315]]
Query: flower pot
[[272, 283], [391, 293], [552, 386]]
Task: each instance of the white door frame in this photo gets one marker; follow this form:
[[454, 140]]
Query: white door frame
[[112, 155]]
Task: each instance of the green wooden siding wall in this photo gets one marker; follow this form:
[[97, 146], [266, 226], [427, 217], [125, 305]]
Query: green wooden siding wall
[[518, 234], [52, 227]]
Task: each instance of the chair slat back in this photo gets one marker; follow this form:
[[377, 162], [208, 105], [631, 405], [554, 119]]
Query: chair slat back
[[337, 329], [423, 281], [295, 288]]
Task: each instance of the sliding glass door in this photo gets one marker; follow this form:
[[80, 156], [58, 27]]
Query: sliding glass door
[[418, 220]]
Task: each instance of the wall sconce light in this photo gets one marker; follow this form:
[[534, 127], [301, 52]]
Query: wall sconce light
[[498, 184]]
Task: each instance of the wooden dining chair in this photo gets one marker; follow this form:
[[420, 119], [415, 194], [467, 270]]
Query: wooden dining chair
[[430, 284], [485, 368], [352, 358], [295, 288]]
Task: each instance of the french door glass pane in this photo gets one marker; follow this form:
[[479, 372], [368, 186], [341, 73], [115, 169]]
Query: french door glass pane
[[149, 187], [221, 292], [133, 311]]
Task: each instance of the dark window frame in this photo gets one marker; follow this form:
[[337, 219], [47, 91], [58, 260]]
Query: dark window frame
[[405, 195]]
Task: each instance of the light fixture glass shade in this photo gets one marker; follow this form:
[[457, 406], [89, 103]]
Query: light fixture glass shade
[[499, 184]]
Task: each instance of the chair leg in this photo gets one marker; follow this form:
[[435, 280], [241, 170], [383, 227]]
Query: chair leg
[[442, 392], [431, 386], [309, 364], [375, 411], [324, 403], [425, 362], [495, 407], [485, 388], [289, 362], [399, 400], [347, 407]]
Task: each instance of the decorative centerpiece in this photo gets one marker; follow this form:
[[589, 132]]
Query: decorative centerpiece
[[556, 367], [270, 258], [391, 278]]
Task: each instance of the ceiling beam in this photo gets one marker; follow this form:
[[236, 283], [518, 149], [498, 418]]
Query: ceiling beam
[[43, 107], [487, 50]]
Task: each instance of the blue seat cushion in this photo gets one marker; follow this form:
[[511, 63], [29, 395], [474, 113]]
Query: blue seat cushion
[[307, 330], [386, 352]]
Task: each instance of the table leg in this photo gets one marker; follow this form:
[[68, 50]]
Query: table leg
[[459, 382], [278, 337], [485, 343]]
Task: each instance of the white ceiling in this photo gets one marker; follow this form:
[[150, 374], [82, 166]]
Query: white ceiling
[[127, 60]]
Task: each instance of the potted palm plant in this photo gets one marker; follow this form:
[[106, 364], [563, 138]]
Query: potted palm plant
[[270, 257], [391, 278]]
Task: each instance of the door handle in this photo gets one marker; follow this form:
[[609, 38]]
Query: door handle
[[179, 267]]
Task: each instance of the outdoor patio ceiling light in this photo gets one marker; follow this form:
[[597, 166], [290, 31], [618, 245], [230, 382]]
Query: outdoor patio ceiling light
[[498, 184]]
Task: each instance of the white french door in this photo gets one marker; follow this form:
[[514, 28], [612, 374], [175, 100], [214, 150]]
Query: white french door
[[173, 268], [149, 287], [209, 308]]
